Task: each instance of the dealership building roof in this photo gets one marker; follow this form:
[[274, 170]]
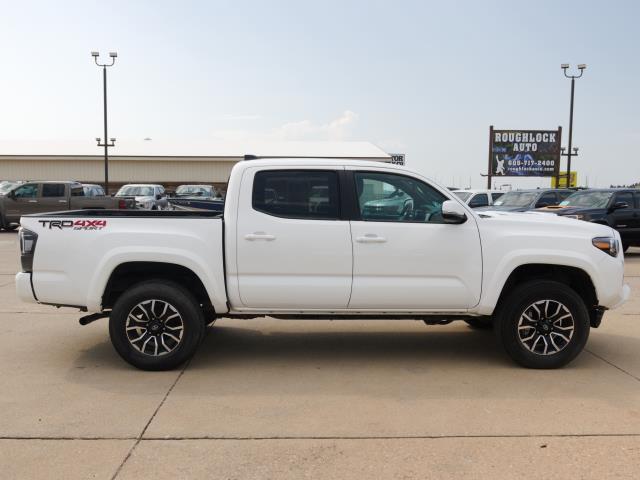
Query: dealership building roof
[[189, 148], [151, 161]]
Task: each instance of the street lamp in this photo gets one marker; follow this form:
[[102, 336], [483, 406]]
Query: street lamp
[[108, 142], [581, 68]]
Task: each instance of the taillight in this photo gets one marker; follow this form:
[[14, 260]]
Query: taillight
[[122, 204], [28, 240]]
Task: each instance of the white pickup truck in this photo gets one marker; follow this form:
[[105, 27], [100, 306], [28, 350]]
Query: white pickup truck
[[325, 239]]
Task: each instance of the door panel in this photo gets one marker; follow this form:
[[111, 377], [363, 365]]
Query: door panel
[[292, 250], [25, 202], [52, 198], [409, 259]]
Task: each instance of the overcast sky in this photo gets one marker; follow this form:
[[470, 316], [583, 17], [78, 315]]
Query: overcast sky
[[423, 78]]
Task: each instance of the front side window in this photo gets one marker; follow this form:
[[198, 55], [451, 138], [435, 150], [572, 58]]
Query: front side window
[[50, 190], [625, 197], [27, 191], [387, 197], [80, 191], [305, 194]]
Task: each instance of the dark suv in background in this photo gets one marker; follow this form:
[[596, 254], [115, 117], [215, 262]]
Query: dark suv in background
[[618, 208], [523, 200]]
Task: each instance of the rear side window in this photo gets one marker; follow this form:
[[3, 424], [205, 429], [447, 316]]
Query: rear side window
[[310, 194], [53, 189]]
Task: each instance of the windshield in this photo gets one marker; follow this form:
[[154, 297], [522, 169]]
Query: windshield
[[516, 199], [464, 196], [587, 199], [135, 191], [5, 187], [195, 190]]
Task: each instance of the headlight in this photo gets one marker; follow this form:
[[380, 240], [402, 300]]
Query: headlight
[[608, 245]]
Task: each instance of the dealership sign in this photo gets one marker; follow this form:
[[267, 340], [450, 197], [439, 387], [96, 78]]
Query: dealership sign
[[524, 153], [397, 158]]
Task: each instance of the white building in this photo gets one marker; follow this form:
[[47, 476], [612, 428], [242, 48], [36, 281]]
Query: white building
[[151, 161]]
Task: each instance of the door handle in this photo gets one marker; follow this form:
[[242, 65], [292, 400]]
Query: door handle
[[32, 201], [371, 238], [259, 236], [62, 201]]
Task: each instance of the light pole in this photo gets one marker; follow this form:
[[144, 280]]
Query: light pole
[[108, 142], [565, 67]]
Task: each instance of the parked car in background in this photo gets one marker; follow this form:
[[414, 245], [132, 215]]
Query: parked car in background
[[197, 197], [523, 200], [147, 197], [478, 198], [618, 208], [51, 196]]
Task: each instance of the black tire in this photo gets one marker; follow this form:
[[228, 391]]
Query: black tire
[[517, 309], [161, 292], [480, 323], [10, 228]]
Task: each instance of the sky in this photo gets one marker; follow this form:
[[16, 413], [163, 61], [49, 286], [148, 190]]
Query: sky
[[417, 77]]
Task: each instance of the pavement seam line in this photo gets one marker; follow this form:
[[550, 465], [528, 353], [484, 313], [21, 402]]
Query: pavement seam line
[[328, 437], [155, 412], [613, 365]]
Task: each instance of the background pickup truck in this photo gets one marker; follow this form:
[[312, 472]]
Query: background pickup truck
[[314, 238], [54, 196]]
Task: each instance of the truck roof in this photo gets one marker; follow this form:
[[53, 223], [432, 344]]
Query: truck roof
[[300, 162]]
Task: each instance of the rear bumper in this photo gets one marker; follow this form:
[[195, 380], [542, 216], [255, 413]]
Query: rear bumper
[[23, 287]]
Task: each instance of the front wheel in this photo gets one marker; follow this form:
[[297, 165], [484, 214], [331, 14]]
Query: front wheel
[[543, 324], [156, 325]]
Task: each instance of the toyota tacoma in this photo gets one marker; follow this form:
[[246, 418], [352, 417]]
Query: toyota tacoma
[[282, 250]]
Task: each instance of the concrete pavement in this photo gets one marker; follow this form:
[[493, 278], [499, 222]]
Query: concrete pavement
[[292, 399]]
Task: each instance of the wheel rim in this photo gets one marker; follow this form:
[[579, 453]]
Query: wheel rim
[[546, 327], [154, 327]]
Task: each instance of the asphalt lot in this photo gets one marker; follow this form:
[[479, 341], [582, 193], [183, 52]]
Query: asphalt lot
[[297, 399]]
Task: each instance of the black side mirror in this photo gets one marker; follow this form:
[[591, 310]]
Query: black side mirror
[[12, 194], [618, 206], [158, 197]]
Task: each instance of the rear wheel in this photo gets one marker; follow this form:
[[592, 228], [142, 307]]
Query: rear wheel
[[156, 325], [543, 324]]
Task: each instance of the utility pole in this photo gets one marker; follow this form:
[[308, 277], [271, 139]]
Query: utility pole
[[108, 142], [570, 149]]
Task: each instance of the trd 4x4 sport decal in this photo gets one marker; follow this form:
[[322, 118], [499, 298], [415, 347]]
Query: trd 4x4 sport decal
[[74, 224]]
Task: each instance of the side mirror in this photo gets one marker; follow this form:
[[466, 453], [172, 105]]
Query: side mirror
[[618, 206], [453, 212], [12, 194], [158, 197]]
